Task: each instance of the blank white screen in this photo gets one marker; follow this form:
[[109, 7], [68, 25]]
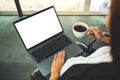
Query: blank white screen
[[38, 28]]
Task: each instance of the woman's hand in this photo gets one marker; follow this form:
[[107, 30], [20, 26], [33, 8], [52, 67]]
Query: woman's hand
[[57, 64], [95, 33]]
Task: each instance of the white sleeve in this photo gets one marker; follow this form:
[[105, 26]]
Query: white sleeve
[[72, 61], [100, 55]]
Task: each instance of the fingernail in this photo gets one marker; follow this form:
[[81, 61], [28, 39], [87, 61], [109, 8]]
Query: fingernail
[[63, 52]]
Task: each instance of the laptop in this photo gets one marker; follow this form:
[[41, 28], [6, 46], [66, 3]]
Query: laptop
[[43, 36]]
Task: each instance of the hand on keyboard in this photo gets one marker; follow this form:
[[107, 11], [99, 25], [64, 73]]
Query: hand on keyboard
[[57, 64]]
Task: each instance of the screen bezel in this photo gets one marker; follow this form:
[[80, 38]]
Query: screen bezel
[[33, 15]]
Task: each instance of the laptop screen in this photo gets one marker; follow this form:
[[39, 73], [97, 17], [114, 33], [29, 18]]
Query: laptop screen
[[39, 27]]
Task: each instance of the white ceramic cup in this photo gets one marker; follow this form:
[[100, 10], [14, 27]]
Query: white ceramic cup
[[77, 32]]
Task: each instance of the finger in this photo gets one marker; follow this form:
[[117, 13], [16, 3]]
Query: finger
[[96, 30], [59, 55], [91, 34], [55, 57], [88, 33], [63, 54], [92, 37]]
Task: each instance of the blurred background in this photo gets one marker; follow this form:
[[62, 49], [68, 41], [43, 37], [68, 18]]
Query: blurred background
[[15, 63], [61, 5]]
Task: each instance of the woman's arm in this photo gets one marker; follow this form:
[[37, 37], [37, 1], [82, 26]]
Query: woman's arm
[[57, 64]]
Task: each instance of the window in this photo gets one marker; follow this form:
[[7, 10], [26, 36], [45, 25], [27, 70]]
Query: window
[[100, 5], [7, 5], [60, 5]]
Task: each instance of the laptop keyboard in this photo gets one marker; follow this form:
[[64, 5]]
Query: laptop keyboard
[[51, 48]]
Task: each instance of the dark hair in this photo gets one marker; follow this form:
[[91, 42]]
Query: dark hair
[[115, 30]]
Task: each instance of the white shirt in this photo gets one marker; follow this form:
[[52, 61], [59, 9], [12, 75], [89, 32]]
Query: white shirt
[[100, 55]]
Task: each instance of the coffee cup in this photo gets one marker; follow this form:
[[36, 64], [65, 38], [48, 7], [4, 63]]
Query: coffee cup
[[79, 29]]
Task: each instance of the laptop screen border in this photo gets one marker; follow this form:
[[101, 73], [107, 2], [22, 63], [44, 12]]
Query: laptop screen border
[[33, 15]]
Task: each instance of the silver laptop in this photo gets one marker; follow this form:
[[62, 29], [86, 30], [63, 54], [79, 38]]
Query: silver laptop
[[43, 36]]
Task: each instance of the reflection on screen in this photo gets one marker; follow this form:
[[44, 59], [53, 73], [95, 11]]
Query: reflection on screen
[[38, 28]]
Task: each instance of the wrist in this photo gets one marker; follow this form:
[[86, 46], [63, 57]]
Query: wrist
[[54, 76], [105, 40]]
